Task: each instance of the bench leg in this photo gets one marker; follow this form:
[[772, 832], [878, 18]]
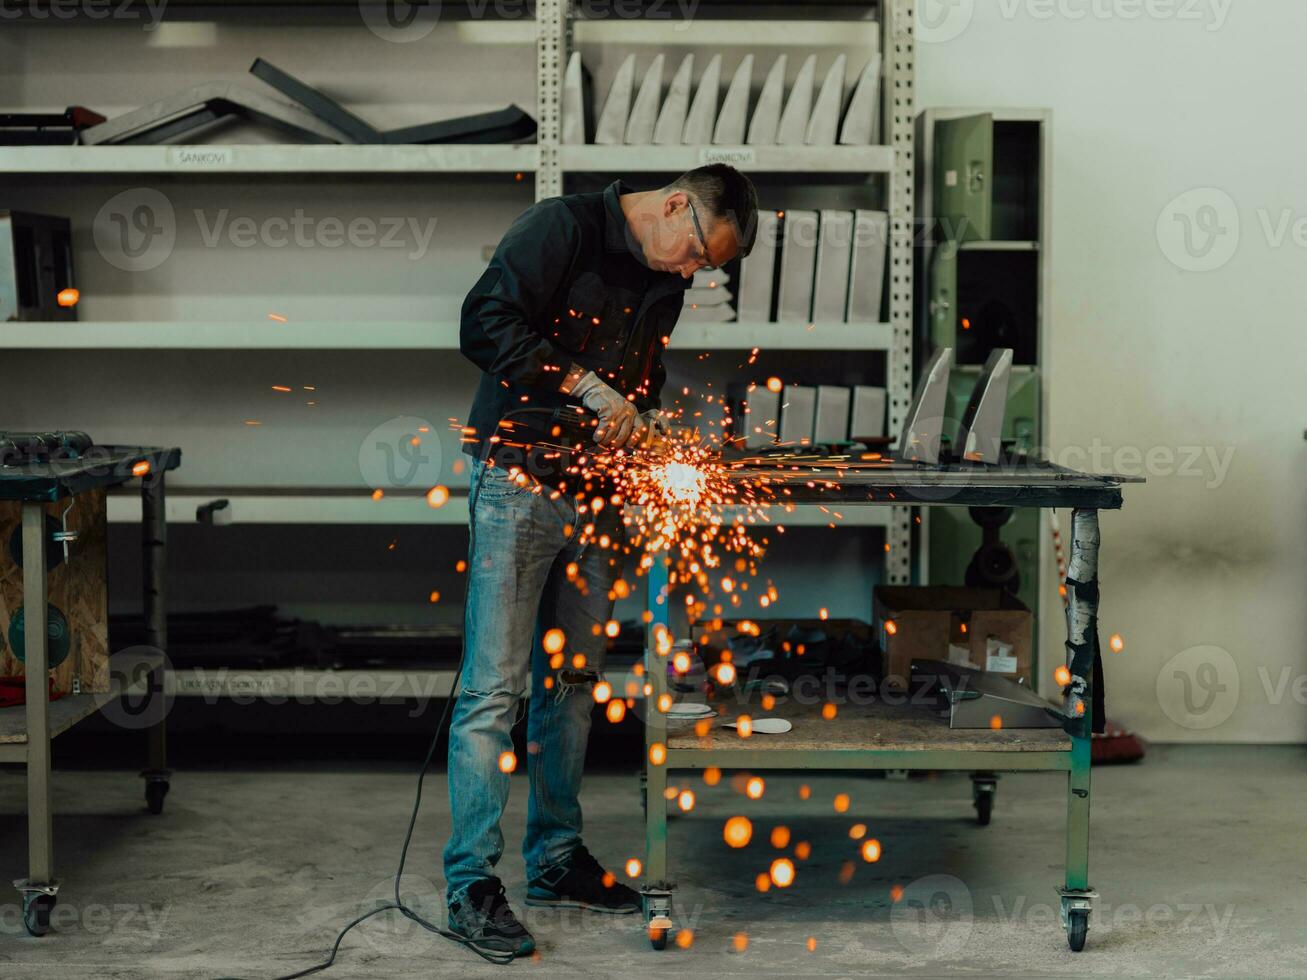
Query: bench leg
[[38, 889], [656, 894], [154, 553], [1082, 646]]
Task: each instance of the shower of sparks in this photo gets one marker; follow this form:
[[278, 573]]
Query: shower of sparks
[[681, 500]]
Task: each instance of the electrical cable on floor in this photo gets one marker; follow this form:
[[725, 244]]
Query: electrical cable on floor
[[398, 903]]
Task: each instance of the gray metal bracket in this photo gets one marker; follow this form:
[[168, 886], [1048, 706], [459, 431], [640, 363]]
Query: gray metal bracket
[[27, 887], [200, 104], [980, 437], [1076, 901], [919, 441]]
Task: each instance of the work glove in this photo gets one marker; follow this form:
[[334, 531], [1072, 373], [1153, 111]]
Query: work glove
[[618, 419]]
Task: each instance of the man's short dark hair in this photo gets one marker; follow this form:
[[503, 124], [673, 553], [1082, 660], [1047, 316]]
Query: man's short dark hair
[[727, 194]]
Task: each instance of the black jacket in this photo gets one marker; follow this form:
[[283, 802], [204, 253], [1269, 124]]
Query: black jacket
[[564, 286]]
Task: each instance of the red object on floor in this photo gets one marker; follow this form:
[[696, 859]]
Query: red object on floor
[[1116, 744], [13, 691]]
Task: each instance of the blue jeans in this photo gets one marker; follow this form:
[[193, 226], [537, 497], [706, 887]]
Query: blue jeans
[[521, 544]]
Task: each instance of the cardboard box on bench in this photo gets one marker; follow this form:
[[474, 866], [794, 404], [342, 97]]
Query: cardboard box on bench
[[944, 622]]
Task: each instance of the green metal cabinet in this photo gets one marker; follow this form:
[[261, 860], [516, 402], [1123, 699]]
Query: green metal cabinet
[[964, 155], [983, 190], [943, 285]]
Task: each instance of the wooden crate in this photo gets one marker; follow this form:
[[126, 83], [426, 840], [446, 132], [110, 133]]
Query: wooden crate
[[78, 587]]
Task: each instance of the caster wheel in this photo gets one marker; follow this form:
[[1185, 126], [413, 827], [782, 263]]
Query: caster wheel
[[1077, 927], [155, 791], [657, 916], [36, 913], [984, 808]]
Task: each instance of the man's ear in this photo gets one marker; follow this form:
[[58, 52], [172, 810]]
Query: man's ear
[[676, 201]]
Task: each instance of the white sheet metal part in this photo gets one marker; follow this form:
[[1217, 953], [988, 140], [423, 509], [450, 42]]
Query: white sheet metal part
[[867, 270], [644, 114], [671, 118], [825, 119], [862, 118], [700, 119], [767, 113], [707, 295], [867, 420], [573, 102], [765, 726], [757, 415], [794, 120], [798, 266], [798, 412], [717, 313], [980, 437], [611, 129], [832, 419], [919, 442], [734, 113], [757, 271], [834, 253], [708, 279]]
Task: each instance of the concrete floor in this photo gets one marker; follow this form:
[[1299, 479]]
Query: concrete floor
[[1198, 854]]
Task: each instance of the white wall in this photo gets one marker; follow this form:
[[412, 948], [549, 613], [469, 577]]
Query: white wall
[[1151, 101]]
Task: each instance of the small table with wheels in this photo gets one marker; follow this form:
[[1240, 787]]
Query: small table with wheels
[[882, 734], [26, 730]]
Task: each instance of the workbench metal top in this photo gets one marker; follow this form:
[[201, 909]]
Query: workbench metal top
[[1020, 482], [99, 466]]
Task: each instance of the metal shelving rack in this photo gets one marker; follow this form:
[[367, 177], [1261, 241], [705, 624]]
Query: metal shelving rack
[[895, 159], [549, 160], [406, 335]]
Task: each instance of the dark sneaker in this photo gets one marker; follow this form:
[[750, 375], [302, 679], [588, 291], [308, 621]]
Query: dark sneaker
[[484, 921], [582, 883]]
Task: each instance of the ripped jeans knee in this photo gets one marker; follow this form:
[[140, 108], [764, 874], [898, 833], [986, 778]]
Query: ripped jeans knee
[[497, 693], [487, 703]]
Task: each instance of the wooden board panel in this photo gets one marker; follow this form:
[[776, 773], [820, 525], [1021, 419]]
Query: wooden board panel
[[864, 726], [78, 587]]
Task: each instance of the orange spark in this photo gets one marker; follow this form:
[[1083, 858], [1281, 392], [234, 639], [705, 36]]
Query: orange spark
[[782, 872], [738, 831]]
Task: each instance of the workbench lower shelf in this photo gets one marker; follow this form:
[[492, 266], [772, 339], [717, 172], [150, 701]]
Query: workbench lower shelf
[[867, 736], [875, 735]]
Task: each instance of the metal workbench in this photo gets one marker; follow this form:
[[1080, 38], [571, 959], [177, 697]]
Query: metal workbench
[[883, 735], [27, 730]]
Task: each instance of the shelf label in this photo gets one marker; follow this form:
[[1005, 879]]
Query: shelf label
[[736, 156], [201, 157]]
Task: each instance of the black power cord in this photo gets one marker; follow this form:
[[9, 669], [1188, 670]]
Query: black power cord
[[398, 904]]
